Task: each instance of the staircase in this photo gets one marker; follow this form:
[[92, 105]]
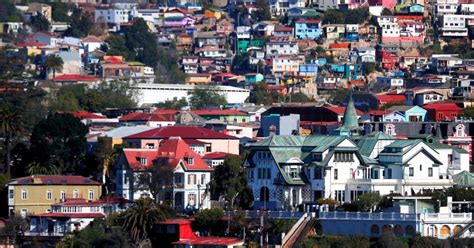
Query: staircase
[[297, 233]]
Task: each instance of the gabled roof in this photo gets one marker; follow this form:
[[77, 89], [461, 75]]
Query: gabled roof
[[139, 116], [216, 155], [218, 112], [53, 180], [75, 78], [443, 106], [87, 115], [176, 149], [185, 132], [390, 98], [30, 44], [91, 39], [134, 158]]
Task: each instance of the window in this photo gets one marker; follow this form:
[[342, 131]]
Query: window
[[190, 161], [411, 171], [421, 167], [24, 194], [430, 172], [294, 173], [75, 193], [335, 174], [191, 179], [389, 173], [203, 179], [11, 194], [440, 115], [49, 194], [208, 149], [143, 161], [91, 194], [192, 199], [62, 195], [318, 173], [150, 146]]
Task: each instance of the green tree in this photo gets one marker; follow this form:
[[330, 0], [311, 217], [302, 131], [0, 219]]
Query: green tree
[[167, 70], [203, 97], [141, 43], [59, 11], [367, 201], [116, 46], [59, 140], [262, 13], [467, 113], [40, 22], [386, 12], [368, 68], [10, 125], [333, 16], [260, 94], [53, 63], [36, 168], [357, 15], [11, 66], [8, 11], [158, 179], [230, 180], [175, 103], [209, 220], [299, 97], [80, 25], [140, 218], [339, 96], [389, 240]]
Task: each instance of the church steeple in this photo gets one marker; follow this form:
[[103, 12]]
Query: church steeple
[[350, 115]]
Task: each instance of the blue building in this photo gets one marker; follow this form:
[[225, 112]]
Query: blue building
[[405, 114], [348, 71], [307, 29], [279, 125], [309, 70]]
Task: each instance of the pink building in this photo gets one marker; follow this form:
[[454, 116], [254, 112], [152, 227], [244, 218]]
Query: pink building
[[389, 4]]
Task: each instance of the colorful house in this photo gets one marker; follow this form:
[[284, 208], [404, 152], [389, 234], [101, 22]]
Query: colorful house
[[253, 77], [308, 29], [225, 115], [442, 111], [406, 114], [35, 194]]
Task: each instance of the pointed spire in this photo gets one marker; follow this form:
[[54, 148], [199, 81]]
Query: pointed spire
[[350, 114]]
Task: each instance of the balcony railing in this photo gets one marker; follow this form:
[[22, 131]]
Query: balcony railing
[[368, 216]]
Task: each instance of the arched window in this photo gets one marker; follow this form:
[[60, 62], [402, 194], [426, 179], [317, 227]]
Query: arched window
[[374, 230], [387, 229], [409, 230], [398, 230]]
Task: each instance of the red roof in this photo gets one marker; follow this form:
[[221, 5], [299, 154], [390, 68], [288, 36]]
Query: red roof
[[218, 112], [30, 44], [176, 222], [134, 156], [194, 142], [390, 98], [284, 29], [341, 45], [87, 115], [166, 111], [216, 155], [443, 106], [209, 241], [308, 21], [70, 215], [139, 116], [92, 38], [185, 132], [340, 110], [75, 78], [55, 180], [176, 149]]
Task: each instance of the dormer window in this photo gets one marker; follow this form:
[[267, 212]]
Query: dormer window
[[460, 130], [318, 157], [190, 160], [143, 161]]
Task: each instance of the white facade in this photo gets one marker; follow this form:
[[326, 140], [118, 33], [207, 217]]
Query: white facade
[[243, 32], [155, 93], [114, 16], [336, 168], [281, 48], [454, 25]]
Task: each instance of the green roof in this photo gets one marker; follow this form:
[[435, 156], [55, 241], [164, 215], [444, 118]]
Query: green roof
[[350, 115], [464, 179], [459, 149], [136, 63], [403, 143], [367, 143]]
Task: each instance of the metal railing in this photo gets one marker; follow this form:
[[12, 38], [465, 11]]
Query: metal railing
[[368, 216], [267, 214]]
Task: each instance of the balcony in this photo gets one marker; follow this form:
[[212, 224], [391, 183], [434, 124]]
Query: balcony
[[368, 216], [447, 217]]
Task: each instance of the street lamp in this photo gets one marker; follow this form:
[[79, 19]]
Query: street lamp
[[199, 196]]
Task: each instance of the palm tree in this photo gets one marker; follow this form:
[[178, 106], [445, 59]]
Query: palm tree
[[10, 124], [36, 168], [139, 219], [53, 63]]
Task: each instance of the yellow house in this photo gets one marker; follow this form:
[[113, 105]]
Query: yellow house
[[36, 194]]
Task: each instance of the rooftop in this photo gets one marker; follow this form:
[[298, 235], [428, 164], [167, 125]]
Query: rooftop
[[186, 132]]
